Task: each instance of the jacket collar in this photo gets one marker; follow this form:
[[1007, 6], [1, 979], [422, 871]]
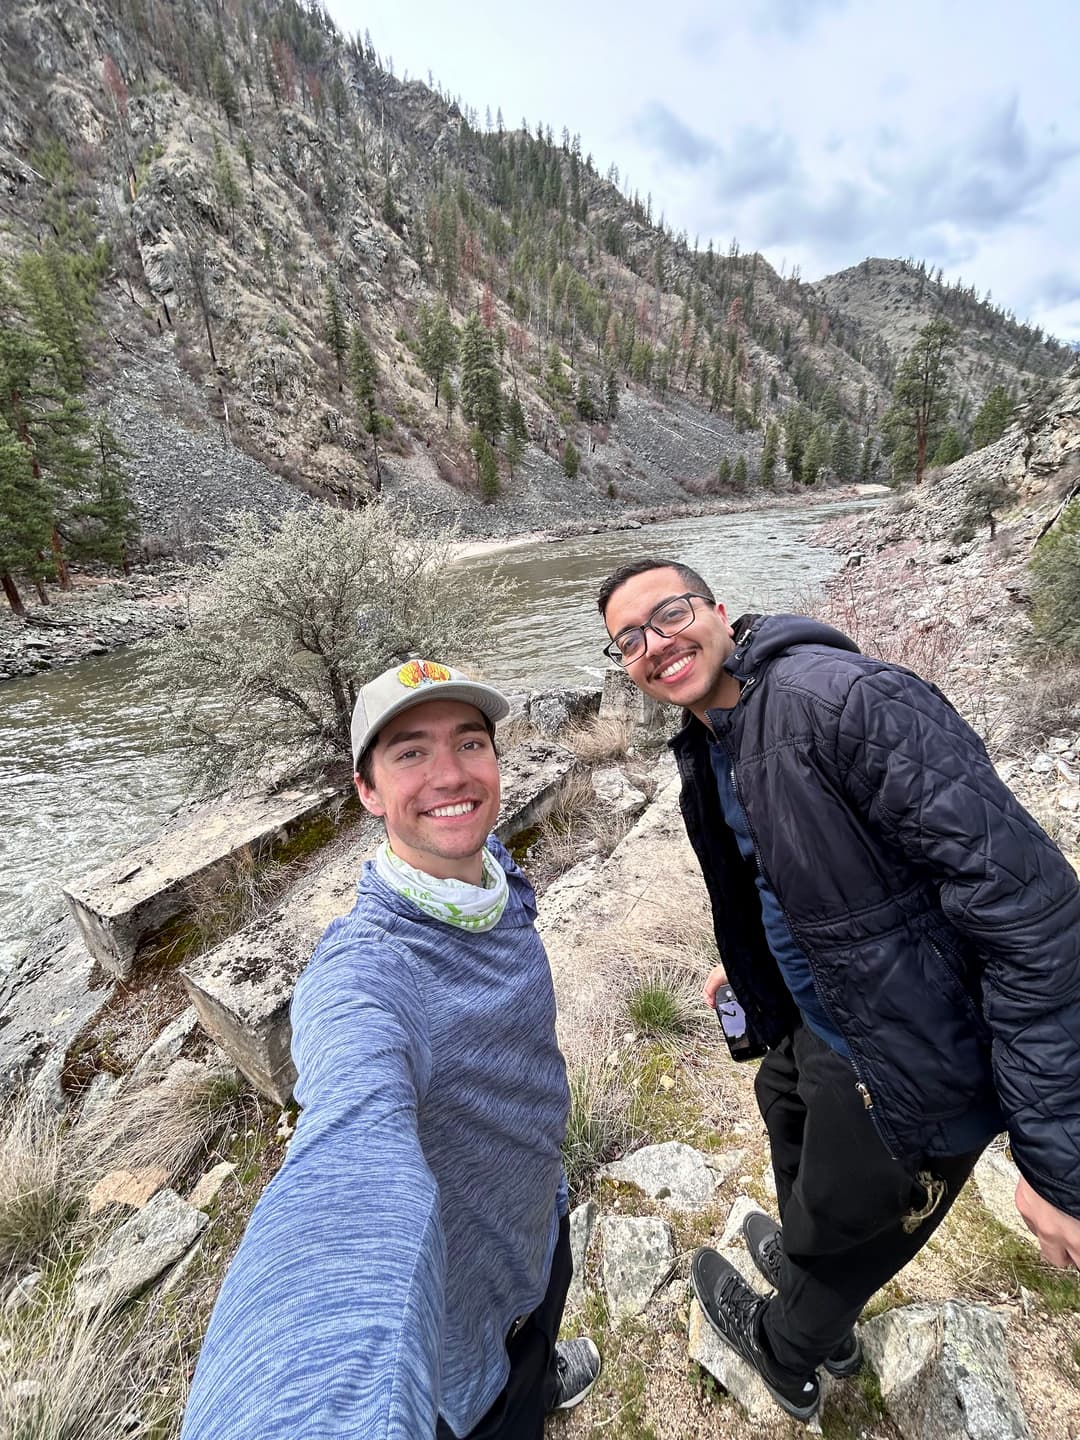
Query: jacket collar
[[759, 639]]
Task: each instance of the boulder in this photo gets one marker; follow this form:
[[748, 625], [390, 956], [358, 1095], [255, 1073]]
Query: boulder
[[674, 1173], [617, 795], [622, 699], [639, 1256], [944, 1372], [136, 1253], [582, 1225], [552, 711], [208, 1186]]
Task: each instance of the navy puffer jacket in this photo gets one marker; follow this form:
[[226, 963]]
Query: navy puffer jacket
[[941, 924]]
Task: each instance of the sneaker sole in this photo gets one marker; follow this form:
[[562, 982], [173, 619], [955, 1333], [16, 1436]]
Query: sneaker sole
[[843, 1370], [797, 1412]]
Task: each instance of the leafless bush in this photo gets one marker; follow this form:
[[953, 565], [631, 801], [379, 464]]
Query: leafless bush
[[1047, 704], [450, 471]]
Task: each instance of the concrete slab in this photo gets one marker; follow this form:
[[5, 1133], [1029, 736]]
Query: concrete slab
[[242, 989], [123, 904]]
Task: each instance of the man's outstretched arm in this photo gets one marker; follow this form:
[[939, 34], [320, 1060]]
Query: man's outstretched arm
[[329, 1320]]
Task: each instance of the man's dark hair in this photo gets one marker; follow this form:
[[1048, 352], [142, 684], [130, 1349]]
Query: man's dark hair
[[365, 766], [641, 567]]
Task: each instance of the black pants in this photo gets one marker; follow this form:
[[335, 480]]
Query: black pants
[[519, 1409], [852, 1215]]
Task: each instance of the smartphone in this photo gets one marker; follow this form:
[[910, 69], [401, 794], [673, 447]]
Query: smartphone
[[732, 1018]]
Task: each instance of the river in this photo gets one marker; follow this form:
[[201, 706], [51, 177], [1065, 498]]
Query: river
[[84, 775]]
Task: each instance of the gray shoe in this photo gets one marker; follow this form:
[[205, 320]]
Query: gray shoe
[[764, 1240], [577, 1369]]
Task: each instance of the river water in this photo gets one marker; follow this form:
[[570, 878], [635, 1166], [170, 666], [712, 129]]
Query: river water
[[84, 775]]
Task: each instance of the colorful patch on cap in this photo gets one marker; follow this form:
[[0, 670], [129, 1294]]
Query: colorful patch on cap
[[422, 672]]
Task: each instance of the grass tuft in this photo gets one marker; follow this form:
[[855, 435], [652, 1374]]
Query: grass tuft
[[41, 1189], [661, 1007]]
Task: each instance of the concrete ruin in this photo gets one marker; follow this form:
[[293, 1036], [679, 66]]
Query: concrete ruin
[[119, 907]]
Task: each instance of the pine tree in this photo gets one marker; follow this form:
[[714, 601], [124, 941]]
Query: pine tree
[[816, 454], [481, 394], [224, 89], [842, 454], [611, 394], [106, 522], [920, 405], [487, 466], [739, 474], [866, 461], [225, 183], [337, 333], [571, 459], [950, 448], [439, 342], [994, 415], [364, 379], [769, 452], [25, 517], [723, 473]]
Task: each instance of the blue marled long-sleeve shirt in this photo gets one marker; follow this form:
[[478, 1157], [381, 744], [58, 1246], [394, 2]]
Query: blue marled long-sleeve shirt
[[416, 1213]]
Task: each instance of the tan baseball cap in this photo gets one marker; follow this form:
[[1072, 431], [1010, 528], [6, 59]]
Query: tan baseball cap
[[413, 683]]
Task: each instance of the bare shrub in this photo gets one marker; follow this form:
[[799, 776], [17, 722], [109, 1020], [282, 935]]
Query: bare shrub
[[449, 470], [600, 740], [41, 1185], [1048, 703]]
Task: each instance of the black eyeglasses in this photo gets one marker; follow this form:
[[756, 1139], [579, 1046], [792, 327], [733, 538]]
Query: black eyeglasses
[[670, 616]]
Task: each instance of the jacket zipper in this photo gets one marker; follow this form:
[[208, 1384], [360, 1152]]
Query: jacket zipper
[[860, 1084]]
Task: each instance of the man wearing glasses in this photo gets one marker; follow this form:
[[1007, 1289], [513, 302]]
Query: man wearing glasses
[[904, 940]]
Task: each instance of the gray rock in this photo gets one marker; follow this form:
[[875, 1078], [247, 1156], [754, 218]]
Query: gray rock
[[616, 794], [672, 1172], [137, 1252], [552, 711], [996, 1178], [732, 1234], [168, 1045], [639, 1254], [944, 1373], [582, 1225], [21, 1293], [622, 699]]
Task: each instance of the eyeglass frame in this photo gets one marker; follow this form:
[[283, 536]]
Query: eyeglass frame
[[648, 625]]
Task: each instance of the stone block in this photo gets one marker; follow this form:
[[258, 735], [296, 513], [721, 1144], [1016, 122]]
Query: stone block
[[582, 1225], [622, 700], [674, 1173], [533, 775], [125, 903]]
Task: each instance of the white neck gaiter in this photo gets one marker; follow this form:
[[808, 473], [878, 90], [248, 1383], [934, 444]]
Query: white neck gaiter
[[456, 902]]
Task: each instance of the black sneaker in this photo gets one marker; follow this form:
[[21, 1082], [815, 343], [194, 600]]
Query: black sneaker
[[734, 1312], [577, 1369], [764, 1240]]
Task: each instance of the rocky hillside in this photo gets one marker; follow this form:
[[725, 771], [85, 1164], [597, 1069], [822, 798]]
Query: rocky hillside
[[879, 306], [256, 190]]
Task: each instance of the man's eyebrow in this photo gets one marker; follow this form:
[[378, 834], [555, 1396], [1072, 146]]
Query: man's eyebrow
[[400, 737]]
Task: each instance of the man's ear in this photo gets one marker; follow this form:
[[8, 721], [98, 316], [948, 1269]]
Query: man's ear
[[369, 797]]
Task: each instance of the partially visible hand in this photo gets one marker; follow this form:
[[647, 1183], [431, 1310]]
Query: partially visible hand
[[716, 977], [1058, 1234]]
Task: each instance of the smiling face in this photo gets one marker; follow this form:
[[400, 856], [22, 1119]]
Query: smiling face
[[683, 669], [435, 782]]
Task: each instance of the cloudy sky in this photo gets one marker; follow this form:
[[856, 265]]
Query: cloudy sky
[[817, 131]]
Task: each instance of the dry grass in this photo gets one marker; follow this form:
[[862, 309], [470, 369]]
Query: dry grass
[[600, 741], [66, 1376], [174, 1123], [42, 1185], [1046, 704]]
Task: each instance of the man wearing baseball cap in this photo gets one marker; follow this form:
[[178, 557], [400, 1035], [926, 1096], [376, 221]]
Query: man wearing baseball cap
[[404, 1275]]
